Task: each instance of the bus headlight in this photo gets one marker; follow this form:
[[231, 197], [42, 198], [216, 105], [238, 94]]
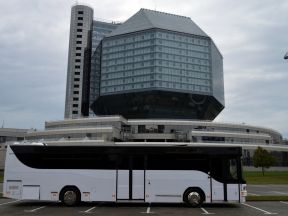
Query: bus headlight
[[243, 191]]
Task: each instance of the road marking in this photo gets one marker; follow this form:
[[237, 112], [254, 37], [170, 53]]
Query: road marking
[[265, 212], [89, 210], [284, 202], [148, 210], [9, 202], [254, 194], [34, 210], [206, 212]]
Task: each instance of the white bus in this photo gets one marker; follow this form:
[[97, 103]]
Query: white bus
[[167, 174]]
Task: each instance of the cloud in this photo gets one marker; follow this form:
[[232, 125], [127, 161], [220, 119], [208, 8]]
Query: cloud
[[251, 35]]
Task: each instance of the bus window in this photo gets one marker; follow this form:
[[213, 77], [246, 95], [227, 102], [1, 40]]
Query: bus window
[[233, 168]]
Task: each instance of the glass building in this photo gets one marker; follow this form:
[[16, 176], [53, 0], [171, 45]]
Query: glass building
[[99, 31], [159, 65]]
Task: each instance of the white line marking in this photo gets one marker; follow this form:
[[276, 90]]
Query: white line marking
[[254, 194], [9, 202], [89, 210], [284, 202], [206, 212], [34, 210], [265, 212], [148, 210]]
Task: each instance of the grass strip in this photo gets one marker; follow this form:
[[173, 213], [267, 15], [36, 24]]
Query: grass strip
[[267, 198], [270, 177]]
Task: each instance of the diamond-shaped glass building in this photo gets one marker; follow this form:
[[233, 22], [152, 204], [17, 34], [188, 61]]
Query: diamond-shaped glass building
[[159, 65]]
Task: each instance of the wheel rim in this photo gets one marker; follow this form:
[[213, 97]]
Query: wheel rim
[[70, 197], [194, 198]]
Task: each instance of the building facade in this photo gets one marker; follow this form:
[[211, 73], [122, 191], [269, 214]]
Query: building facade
[[83, 74], [154, 65], [79, 60], [100, 30], [159, 65]]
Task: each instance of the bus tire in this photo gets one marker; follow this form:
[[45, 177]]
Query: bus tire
[[70, 195], [194, 197]]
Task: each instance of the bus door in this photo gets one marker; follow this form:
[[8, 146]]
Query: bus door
[[216, 180], [224, 181], [131, 178]]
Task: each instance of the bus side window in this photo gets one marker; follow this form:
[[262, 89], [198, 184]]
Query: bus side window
[[233, 168]]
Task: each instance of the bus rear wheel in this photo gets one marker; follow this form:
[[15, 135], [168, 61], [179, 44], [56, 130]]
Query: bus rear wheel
[[193, 197], [70, 196]]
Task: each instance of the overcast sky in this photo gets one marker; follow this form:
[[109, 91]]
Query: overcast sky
[[252, 36]]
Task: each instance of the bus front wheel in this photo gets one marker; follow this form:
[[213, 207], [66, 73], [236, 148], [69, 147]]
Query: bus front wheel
[[193, 197], [70, 196]]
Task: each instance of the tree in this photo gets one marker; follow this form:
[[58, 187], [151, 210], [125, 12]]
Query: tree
[[262, 158]]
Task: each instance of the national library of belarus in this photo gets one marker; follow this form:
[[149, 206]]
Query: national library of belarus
[[156, 78]]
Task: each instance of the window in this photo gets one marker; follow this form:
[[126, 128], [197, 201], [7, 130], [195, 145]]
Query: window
[[233, 169], [76, 86], [78, 48], [75, 112], [77, 60], [77, 73], [77, 67], [79, 36], [78, 54], [76, 92], [79, 24], [75, 99], [78, 42], [80, 12], [76, 79], [79, 30], [80, 18], [75, 105]]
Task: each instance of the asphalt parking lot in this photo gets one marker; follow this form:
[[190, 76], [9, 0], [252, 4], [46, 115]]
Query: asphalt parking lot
[[258, 190], [17, 207]]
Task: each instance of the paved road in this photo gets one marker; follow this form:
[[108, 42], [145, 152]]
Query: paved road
[[267, 190], [14, 208]]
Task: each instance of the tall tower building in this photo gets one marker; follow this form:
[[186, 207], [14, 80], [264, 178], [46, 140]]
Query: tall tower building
[[79, 62], [83, 75]]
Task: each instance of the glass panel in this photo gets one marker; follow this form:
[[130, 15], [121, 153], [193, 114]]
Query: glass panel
[[233, 169]]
